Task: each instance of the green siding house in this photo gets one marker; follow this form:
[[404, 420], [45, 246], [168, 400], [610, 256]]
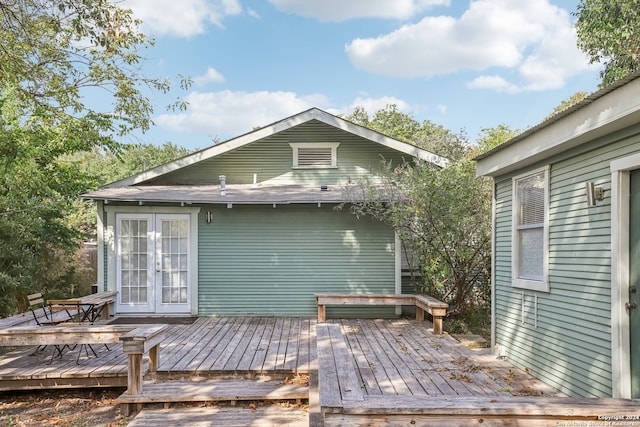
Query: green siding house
[[566, 252], [250, 226]]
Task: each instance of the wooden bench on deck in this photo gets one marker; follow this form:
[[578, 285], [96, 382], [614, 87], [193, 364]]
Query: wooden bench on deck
[[136, 340], [437, 309]]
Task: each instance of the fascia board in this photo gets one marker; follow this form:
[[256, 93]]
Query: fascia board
[[614, 111]]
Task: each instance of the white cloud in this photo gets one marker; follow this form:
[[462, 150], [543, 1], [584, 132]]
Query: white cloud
[[372, 105], [228, 113], [494, 82], [183, 18], [211, 76], [442, 109], [341, 10], [535, 38]]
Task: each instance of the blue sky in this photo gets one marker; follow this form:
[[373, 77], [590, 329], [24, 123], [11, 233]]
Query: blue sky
[[466, 65]]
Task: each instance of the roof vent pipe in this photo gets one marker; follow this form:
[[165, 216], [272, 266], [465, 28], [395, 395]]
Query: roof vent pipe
[[223, 185]]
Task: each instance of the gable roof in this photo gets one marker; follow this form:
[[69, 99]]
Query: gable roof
[[612, 108], [277, 127]]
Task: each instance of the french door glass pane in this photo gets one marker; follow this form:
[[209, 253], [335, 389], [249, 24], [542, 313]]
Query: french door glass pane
[[174, 272], [134, 265]]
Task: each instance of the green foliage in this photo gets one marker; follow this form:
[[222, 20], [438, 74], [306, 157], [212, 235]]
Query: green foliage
[[609, 32], [492, 137], [443, 218], [56, 51], [54, 55], [36, 243], [567, 103], [426, 135], [442, 215], [105, 167]]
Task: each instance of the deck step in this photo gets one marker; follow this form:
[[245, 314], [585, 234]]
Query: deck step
[[271, 415], [216, 390]]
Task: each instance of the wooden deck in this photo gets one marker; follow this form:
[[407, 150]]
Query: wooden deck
[[249, 346], [397, 372], [405, 358], [377, 372]]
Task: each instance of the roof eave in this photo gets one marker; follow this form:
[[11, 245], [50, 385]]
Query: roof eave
[[603, 112]]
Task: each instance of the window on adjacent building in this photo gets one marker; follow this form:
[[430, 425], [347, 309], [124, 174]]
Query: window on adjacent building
[[530, 223], [315, 155]]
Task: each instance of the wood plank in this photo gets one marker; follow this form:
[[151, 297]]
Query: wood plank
[[270, 361], [304, 343], [253, 346], [218, 346], [282, 344], [350, 386], [261, 416], [291, 355], [215, 331], [364, 299], [216, 390], [494, 405], [396, 351], [231, 346], [364, 359], [67, 334], [248, 331], [328, 384], [177, 354], [391, 381], [259, 358]]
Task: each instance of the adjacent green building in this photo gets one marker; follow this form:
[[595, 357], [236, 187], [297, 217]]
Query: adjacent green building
[[566, 252]]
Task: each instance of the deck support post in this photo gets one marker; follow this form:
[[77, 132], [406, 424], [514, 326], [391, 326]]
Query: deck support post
[[322, 313]]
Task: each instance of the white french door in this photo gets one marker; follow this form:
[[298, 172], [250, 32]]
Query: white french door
[[152, 264]]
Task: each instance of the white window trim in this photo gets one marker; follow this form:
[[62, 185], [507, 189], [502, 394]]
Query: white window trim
[[517, 282], [332, 145]]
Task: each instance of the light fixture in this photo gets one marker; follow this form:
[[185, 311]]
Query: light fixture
[[594, 193], [209, 216]]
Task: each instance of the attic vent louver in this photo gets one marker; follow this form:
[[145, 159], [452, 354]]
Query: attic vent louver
[[319, 156]]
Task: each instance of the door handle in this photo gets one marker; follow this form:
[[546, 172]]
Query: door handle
[[630, 305]]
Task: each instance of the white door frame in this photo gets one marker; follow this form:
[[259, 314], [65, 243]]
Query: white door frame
[[149, 307], [620, 332], [160, 307], [107, 217]]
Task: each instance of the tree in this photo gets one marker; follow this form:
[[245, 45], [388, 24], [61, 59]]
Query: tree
[[105, 167], [609, 32], [53, 55], [36, 243], [442, 215], [426, 135], [492, 137], [567, 103]]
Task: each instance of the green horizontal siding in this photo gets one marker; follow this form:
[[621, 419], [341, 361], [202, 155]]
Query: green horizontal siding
[[270, 261], [271, 160], [568, 343]]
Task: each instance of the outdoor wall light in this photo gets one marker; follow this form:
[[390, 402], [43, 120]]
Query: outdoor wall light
[[593, 193], [209, 216]]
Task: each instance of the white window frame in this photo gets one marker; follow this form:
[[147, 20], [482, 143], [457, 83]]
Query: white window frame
[[334, 154], [517, 281]]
